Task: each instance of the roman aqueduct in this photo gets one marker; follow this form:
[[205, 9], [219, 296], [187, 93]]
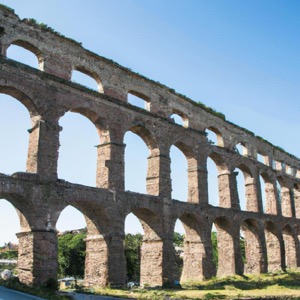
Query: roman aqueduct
[[39, 196]]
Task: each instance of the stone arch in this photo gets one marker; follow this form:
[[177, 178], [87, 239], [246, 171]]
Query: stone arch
[[35, 120], [192, 171], [138, 98], [273, 247], [179, 114], [285, 195], [296, 193], [291, 243], [87, 121], [219, 138], [242, 148], [152, 249], [249, 189], [229, 255], [197, 258], [255, 260], [92, 75], [32, 48], [153, 161], [270, 190]]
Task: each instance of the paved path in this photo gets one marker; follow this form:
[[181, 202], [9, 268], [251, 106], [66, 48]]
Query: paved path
[[93, 297], [8, 294]]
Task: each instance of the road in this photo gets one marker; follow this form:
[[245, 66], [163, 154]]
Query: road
[[7, 294]]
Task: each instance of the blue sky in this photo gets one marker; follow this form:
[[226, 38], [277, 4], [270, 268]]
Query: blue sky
[[240, 57]]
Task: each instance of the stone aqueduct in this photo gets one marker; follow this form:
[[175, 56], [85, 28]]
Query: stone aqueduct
[[271, 236]]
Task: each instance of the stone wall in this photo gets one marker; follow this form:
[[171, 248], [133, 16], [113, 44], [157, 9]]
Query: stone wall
[[271, 236]]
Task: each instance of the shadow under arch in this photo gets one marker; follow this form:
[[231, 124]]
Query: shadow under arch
[[291, 244], [274, 251], [255, 260], [229, 252], [92, 75], [29, 47], [197, 257]]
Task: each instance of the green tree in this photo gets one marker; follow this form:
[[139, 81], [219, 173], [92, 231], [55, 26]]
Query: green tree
[[133, 243], [71, 254]]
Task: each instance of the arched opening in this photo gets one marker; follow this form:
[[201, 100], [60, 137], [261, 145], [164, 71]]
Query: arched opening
[[179, 175], [273, 247], [212, 179], [214, 136], [178, 242], [147, 248], [251, 246], [77, 161], [262, 158], [136, 154], [225, 180], [268, 196], [246, 189], [25, 53], [139, 100], [72, 232], [286, 198], [227, 256], [14, 135], [296, 194], [240, 180], [87, 79], [12, 222], [241, 149], [179, 118], [191, 253], [133, 243], [290, 243]]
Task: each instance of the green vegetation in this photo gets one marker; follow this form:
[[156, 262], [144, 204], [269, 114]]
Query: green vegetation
[[71, 254], [4, 7], [269, 286], [47, 291], [9, 254]]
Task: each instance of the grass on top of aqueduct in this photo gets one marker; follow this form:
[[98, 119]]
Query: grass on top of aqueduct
[[270, 286]]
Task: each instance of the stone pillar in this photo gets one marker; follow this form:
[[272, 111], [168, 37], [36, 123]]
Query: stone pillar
[[290, 250], [228, 194], [157, 262], [105, 262], [255, 256], [272, 205], [273, 252], [57, 65], [286, 203], [203, 186], [43, 149], [37, 258], [252, 195], [198, 258], [158, 175], [297, 201], [110, 166], [226, 254]]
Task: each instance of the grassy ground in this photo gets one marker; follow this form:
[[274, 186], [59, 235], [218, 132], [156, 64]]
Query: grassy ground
[[270, 286]]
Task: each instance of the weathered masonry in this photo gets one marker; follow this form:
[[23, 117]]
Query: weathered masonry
[[271, 235]]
